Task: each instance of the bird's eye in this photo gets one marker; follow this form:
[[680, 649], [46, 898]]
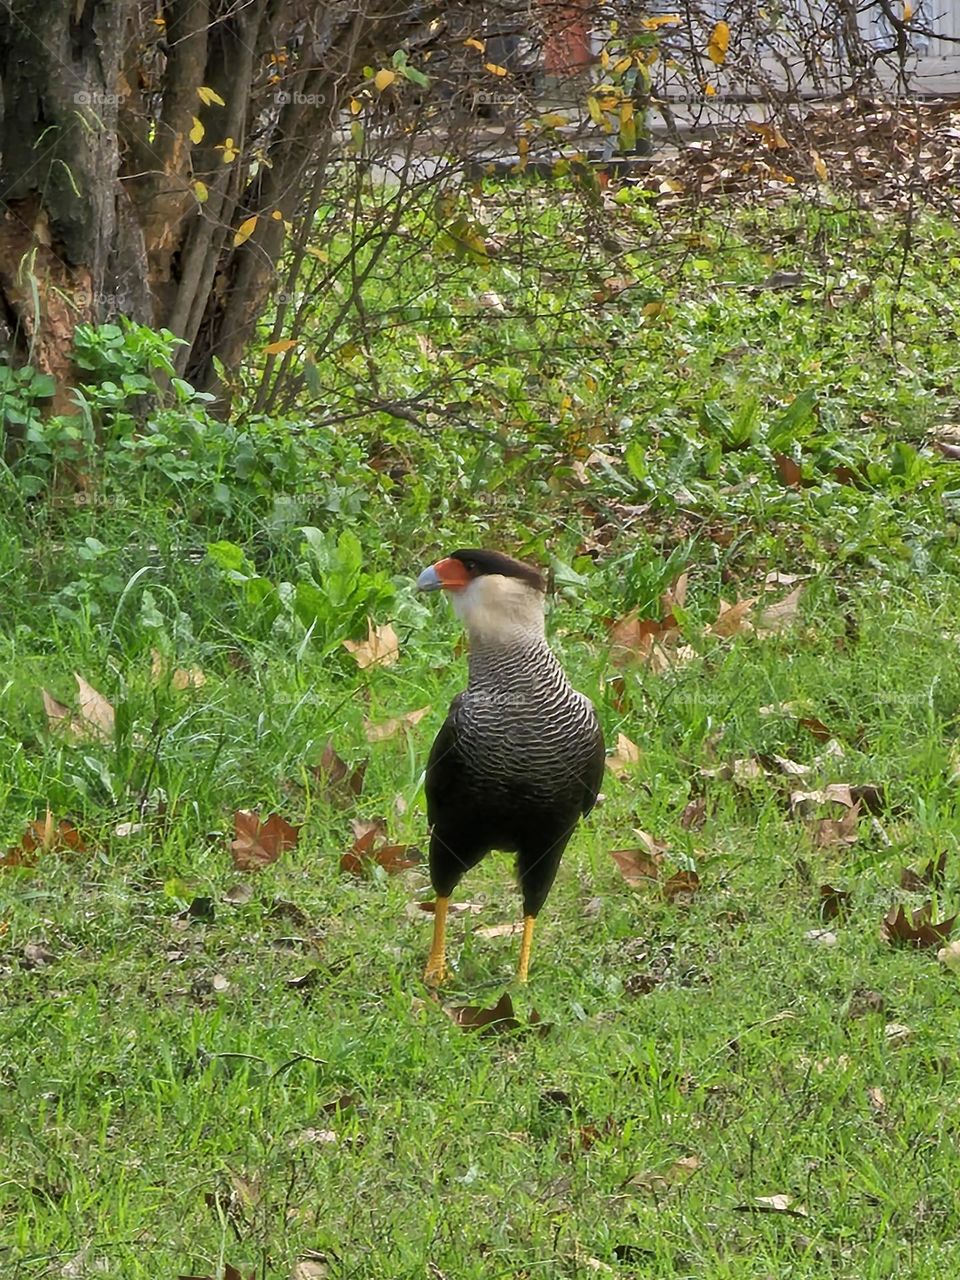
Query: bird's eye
[[469, 565]]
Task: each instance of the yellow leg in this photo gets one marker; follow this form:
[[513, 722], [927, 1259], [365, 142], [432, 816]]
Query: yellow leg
[[526, 944], [436, 970]]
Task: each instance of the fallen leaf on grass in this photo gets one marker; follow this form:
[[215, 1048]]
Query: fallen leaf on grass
[[681, 886], [506, 930], [640, 866], [789, 768], [621, 761], [790, 472], [340, 784], [661, 1179], [380, 649], [694, 814], [931, 877], [816, 728], [494, 1021], [654, 642], [773, 1204], [390, 728], [804, 804], [258, 844], [96, 719], [781, 614], [733, 619], [180, 678], [834, 903], [37, 956], [828, 832], [917, 929], [878, 1103], [588, 1135], [453, 908], [370, 849], [43, 836]]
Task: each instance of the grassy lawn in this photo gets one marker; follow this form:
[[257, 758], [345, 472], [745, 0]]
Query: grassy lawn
[[205, 1068]]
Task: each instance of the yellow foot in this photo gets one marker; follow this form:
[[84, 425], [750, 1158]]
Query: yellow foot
[[435, 974], [526, 943], [436, 970]]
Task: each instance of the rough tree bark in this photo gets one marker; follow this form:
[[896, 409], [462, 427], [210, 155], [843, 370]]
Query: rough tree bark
[[122, 187]]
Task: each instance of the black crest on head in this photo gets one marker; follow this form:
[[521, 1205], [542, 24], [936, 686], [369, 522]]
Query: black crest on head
[[478, 562]]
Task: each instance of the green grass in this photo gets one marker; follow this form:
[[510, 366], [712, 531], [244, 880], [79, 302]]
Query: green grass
[[173, 1099], [167, 1126]]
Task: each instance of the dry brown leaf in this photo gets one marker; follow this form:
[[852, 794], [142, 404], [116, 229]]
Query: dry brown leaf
[[828, 832], [673, 1175], [632, 637], [675, 597], [339, 784], [95, 710], [777, 616], [916, 930], [747, 770], [774, 1204], [453, 908], [622, 760], [258, 844], [95, 721], [380, 649], [494, 1021], [931, 877], [790, 768], [390, 728], [506, 930], [790, 472], [44, 835], [834, 902], [815, 727], [681, 886], [370, 850], [878, 1103], [733, 619], [694, 814], [58, 715], [180, 678], [640, 866]]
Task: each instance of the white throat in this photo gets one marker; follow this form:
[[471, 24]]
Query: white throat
[[500, 611]]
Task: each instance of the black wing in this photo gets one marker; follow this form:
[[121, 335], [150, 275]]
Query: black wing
[[442, 783]]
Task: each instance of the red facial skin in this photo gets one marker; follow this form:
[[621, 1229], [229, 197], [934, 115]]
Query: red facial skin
[[453, 576]]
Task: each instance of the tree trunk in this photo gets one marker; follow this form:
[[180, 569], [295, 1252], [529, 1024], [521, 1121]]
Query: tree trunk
[[67, 243], [133, 147]]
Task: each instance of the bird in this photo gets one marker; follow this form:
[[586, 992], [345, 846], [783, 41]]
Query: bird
[[520, 756]]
